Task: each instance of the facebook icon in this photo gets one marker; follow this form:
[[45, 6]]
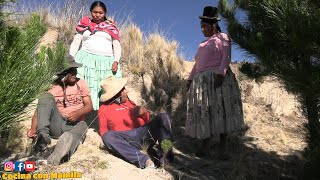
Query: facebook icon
[[18, 166]]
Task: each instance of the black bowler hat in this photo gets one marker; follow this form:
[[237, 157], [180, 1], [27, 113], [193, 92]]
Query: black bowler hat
[[210, 12]]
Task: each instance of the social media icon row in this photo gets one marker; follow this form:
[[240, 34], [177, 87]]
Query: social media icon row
[[19, 166]]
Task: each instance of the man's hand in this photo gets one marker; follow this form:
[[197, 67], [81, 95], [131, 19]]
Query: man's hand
[[114, 67], [142, 110], [32, 133], [218, 80], [139, 110], [73, 116]]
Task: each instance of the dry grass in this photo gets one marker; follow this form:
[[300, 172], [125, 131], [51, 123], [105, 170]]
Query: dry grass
[[161, 51], [102, 165], [165, 67], [145, 54], [133, 49], [155, 55], [55, 14]]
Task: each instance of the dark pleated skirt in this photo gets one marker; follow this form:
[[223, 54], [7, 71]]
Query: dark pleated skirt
[[211, 110]]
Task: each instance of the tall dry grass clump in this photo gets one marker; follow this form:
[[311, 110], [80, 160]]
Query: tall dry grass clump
[[133, 49], [165, 66], [160, 51], [156, 56]]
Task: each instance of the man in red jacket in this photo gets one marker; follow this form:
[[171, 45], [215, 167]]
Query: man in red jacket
[[126, 127]]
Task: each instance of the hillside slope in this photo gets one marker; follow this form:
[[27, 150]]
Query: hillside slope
[[270, 147]]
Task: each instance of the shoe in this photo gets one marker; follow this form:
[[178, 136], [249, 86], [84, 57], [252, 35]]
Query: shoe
[[42, 142], [61, 149], [170, 156]]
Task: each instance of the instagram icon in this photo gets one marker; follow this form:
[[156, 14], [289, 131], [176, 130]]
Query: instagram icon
[[8, 166]]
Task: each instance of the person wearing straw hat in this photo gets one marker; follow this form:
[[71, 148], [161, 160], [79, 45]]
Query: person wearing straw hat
[[125, 127], [60, 113], [214, 104]]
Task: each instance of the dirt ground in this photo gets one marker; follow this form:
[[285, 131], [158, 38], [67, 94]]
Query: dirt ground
[[269, 147]]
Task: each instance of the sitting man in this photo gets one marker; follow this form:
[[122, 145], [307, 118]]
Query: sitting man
[[125, 128], [61, 114]]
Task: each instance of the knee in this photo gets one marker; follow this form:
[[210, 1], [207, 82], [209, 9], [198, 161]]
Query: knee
[[165, 120], [82, 126], [108, 139], [46, 98], [164, 115]]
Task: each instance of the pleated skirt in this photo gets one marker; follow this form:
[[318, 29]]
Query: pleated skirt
[[213, 110], [94, 70]]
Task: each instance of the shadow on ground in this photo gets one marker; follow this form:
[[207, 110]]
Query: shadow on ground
[[246, 162]]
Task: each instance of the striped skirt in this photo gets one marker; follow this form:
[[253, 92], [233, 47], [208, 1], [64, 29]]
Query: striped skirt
[[94, 70], [210, 110]]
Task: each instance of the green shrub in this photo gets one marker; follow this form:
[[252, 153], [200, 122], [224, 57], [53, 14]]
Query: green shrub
[[254, 71], [24, 74]]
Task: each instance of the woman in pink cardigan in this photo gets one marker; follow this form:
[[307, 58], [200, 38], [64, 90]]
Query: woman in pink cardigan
[[214, 99]]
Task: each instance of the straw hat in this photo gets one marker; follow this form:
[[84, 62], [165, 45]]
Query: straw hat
[[111, 87]]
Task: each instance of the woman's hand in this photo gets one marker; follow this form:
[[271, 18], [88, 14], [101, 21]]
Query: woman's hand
[[114, 67], [218, 80], [32, 133]]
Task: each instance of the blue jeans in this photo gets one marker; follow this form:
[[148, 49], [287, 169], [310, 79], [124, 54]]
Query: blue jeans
[[129, 143]]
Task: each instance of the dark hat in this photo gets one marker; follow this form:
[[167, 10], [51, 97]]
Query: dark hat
[[70, 64], [210, 12]]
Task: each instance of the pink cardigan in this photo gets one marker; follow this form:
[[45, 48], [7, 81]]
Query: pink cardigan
[[213, 53]]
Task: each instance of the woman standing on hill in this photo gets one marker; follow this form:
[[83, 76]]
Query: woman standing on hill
[[214, 99], [100, 49]]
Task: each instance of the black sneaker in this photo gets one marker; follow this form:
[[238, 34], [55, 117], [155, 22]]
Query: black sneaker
[[42, 141]]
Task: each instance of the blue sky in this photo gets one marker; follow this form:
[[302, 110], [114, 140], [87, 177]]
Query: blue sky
[[178, 18]]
